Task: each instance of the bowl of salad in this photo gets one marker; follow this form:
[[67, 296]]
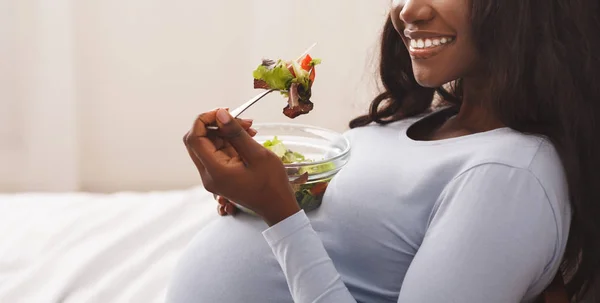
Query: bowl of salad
[[311, 156]]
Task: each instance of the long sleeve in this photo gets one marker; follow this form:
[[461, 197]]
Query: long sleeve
[[491, 237], [310, 273]]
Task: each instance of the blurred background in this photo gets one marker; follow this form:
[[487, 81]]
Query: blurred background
[[95, 95]]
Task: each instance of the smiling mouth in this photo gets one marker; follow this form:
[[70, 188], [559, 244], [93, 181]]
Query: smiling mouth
[[425, 48]]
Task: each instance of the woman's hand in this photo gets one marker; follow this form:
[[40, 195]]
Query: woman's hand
[[225, 207], [237, 168]]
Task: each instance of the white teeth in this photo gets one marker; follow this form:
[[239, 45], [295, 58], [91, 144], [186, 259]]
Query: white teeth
[[427, 43]]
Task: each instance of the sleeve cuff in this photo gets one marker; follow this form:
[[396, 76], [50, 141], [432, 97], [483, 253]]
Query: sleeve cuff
[[286, 227]]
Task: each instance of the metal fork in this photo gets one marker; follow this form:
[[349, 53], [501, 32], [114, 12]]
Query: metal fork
[[242, 108]]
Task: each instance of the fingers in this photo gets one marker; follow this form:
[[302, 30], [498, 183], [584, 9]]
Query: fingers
[[199, 143], [203, 120], [221, 210], [230, 209], [226, 147], [195, 159], [241, 140], [252, 132], [222, 201], [225, 207], [204, 143], [245, 123]]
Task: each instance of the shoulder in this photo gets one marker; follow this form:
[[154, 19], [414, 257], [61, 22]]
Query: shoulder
[[509, 147], [514, 153], [519, 178], [514, 159], [521, 164]]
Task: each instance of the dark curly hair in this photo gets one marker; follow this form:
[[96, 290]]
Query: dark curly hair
[[543, 65]]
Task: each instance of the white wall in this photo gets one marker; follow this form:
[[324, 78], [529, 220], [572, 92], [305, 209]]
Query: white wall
[[38, 146], [144, 68], [9, 119]]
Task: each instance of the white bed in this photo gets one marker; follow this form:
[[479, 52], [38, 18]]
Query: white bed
[[96, 248]]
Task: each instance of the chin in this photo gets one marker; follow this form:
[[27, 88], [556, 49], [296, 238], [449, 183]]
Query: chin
[[430, 82], [431, 78]]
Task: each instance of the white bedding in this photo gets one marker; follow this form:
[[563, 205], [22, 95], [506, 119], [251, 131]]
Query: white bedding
[[79, 248]]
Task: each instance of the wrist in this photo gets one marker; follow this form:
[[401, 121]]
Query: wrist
[[283, 209]]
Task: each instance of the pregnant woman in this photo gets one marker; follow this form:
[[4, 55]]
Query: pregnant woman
[[487, 196]]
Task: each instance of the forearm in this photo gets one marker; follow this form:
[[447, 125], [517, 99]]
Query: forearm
[[310, 273]]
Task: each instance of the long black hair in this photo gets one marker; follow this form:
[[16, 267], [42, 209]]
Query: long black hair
[[543, 63]]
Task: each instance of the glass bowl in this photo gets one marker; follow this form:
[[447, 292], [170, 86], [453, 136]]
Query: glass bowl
[[325, 152]]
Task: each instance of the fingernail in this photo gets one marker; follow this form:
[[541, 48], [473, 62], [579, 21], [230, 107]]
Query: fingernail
[[223, 116], [248, 120]]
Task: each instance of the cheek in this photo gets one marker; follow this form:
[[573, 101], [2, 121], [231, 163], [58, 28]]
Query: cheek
[[470, 59], [459, 61], [395, 17]]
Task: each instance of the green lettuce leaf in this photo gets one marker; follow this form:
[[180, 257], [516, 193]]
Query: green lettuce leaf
[[288, 157], [277, 77], [292, 157], [317, 168], [302, 76], [276, 146]]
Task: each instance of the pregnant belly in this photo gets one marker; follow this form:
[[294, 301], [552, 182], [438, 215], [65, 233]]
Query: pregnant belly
[[228, 261]]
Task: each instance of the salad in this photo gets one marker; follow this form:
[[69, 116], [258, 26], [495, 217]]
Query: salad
[[308, 194], [294, 79]]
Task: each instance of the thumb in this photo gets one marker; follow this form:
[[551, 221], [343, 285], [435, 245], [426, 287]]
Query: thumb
[[235, 134]]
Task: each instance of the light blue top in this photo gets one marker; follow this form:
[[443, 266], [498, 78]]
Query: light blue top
[[478, 218]]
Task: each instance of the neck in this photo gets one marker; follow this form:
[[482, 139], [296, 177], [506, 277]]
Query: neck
[[474, 114]]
